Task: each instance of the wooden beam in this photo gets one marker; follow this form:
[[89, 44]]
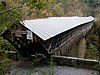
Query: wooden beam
[[74, 62]]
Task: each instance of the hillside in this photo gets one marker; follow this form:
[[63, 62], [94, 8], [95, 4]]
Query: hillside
[[13, 11]]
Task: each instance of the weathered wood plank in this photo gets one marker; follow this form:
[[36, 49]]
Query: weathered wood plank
[[74, 62]]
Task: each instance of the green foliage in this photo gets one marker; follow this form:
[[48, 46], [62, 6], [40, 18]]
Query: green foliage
[[93, 3], [48, 70], [5, 66], [37, 55], [92, 42], [97, 67], [8, 16], [5, 63], [5, 45], [23, 1], [92, 52], [38, 4]]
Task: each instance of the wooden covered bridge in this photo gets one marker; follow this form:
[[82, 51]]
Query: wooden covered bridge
[[53, 35]]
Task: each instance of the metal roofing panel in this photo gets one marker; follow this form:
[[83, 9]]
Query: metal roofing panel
[[52, 26]]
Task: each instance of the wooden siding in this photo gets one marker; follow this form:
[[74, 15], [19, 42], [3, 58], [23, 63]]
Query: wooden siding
[[60, 44], [24, 46]]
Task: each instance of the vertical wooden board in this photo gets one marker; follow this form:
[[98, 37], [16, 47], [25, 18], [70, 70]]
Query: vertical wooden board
[[82, 48], [63, 50]]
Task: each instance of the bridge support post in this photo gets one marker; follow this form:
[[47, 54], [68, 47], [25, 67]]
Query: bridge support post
[[82, 48]]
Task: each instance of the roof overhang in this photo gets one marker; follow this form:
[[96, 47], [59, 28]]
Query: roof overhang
[[52, 26]]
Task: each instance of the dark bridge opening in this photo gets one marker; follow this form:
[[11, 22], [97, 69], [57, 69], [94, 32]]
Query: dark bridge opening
[[37, 47], [32, 49]]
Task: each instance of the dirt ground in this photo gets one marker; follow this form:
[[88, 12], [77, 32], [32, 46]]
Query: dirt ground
[[23, 68]]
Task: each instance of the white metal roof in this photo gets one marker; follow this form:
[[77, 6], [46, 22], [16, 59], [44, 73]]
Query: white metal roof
[[49, 27]]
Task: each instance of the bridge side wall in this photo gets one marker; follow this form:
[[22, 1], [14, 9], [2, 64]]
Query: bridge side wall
[[82, 48], [68, 42]]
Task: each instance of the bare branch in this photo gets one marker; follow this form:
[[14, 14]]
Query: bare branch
[[1, 12]]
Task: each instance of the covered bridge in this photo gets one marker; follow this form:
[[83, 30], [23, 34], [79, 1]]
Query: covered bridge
[[53, 35]]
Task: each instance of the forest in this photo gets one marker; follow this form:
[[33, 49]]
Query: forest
[[13, 11]]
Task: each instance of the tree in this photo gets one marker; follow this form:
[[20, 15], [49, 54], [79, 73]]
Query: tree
[[9, 14]]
